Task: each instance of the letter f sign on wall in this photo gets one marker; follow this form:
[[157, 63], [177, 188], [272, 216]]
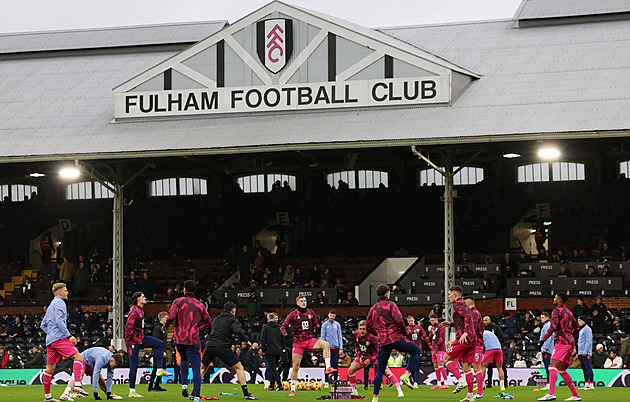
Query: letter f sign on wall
[[274, 43]]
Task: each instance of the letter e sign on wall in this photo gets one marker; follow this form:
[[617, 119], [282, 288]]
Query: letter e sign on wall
[[274, 43]]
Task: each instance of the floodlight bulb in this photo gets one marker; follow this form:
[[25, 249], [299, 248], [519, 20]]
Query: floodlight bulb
[[548, 153], [69, 173], [511, 155]]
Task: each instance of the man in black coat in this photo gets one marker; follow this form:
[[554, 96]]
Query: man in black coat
[[495, 329], [272, 342]]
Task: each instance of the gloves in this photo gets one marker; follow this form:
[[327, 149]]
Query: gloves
[[97, 397]]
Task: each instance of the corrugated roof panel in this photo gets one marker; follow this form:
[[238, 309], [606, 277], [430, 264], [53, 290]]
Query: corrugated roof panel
[[108, 37], [540, 9]]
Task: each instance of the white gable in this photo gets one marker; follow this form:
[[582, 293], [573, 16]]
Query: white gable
[[282, 57]]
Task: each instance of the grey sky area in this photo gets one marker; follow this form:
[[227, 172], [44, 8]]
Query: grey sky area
[[46, 15]]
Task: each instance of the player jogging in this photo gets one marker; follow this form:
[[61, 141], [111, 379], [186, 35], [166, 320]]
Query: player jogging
[[136, 340], [563, 326], [386, 322], [547, 347], [59, 343], [464, 345], [438, 348], [367, 349], [95, 359], [415, 333], [493, 353], [219, 345], [479, 328], [187, 312], [303, 322]]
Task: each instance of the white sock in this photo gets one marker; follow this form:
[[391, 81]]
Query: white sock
[[68, 389], [293, 383], [398, 388], [267, 382], [469, 395], [131, 390], [47, 395], [439, 382], [77, 384], [502, 382], [327, 361]]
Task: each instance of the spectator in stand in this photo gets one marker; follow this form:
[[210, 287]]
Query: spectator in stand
[[278, 277], [147, 286], [580, 308], [599, 357], [560, 256], [341, 289], [66, 271], [350, 300], [564, 272], [254, 305], [170, 295], [464, 260], [524, 258], [268, 277], [26, 290], [177, 291], [89, 323], [46, 246], [311, 284], [396, 359], [527, 324], [299, 278], [320, 300], [17, 328], [328, 277], [81, 280], [110, 315], [316, 274], [605, 253], [618, 325], [507, 260], [344, 359], [132, 285], [398, 290], [488, 259], [4, 357], [622, 254], [613, 361], [37, 360], [510, 323], [258, 267], [592, 272], [13, 363], [244, 261], [109, 334], [519, 362], [598, 322], [607, 272], [95, 276], [289, 275]]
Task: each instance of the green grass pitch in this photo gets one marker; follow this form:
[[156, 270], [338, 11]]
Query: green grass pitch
[[36, 393]]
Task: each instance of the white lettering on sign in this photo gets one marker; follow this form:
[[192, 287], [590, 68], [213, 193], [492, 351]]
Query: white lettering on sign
[[325, 95], [412, 298], [546, 267], [468, 283], [592, 282]]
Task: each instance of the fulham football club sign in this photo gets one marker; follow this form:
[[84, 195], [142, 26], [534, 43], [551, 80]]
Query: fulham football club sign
[[274, 43]]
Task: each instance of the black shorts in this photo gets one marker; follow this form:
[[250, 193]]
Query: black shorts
[[225, 354]]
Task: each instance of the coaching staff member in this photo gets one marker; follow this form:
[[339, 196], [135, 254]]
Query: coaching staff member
[[219, 345]]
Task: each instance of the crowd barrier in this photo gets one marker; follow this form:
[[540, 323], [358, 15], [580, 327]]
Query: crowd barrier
[[516, 376]]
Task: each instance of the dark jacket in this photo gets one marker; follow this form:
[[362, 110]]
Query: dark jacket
[[161, 335], [252, 360], [81, 279], [495, 329], [223, 327], [36, 362], [271, 339]]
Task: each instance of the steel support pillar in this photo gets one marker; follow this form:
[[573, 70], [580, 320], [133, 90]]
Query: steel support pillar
[[118, 269], [449, 243]]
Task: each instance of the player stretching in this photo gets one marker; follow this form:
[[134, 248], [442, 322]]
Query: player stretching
[[493, 353], [438, 347], [386, 322], [563, 326], [95, 359], [479, 328], [464, 345], [187, 312], [303, 321], [135, 340], [59, 343], [415, 333], [367, 348]]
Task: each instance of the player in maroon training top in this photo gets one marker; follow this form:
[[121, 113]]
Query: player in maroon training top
[[367, 347], [563, 327], [303, 322], [386, 322], [188, 313], [464, 345], [479, 328], [437, 335], [415, 333]]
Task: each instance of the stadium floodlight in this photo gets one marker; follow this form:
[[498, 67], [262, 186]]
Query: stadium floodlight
[[511, 155], [70, 173], [36, 175], [548, 153]]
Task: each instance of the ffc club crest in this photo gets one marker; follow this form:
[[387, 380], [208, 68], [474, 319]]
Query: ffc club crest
[[274, 43]]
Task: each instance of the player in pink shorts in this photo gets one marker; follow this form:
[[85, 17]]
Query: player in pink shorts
[[563, 327], [493, 353], [478, 358], [464, 347], [367, 349], [303, 322], [438, 349]]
